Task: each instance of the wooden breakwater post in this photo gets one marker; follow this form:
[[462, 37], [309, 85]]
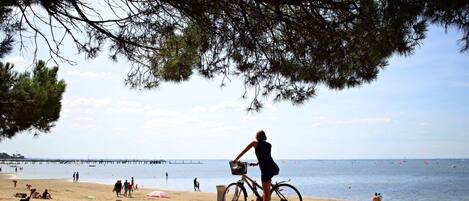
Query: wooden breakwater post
[[220, 192]]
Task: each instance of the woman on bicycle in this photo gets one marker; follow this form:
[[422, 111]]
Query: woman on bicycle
[[267, 165]]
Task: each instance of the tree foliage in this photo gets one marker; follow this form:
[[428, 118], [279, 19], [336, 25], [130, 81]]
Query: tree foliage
[[281, 49], [29, 101]]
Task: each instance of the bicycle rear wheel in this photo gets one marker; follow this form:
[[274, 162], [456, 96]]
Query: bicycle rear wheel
[[285, 192], [235, 192]]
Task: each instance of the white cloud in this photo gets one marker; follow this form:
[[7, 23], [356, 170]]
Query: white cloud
[[271, 107], [83, 125], [162, 123], [94, 102], [466, 85], [270, 118], [193, 121], [221, 127], [127, 107], [128, 103], [88, 74], [319, 118], [227, 105], [18, 61], [372, 120], [126, 110], [199, 109], [424, 124], [249, 118], [320, 121], [157, 112]]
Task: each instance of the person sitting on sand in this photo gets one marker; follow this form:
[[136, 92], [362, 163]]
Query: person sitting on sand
[[46, 195], [36, 195], [20, 195], [25, 197]]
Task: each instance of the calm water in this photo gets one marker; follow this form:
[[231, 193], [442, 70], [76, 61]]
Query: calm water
[[410, 180]]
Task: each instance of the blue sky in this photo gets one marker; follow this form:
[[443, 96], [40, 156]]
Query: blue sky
[[417, 108]]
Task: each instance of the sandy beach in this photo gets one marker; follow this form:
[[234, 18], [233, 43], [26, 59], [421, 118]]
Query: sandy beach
[[62, 189]]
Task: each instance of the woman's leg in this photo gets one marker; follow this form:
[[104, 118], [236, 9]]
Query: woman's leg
[[266, 189]]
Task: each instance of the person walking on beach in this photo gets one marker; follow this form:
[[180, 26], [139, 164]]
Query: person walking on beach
[[130, 190], [267, 165], [118, 187], [132, 183], [77, 176], [166, 176], [126, 188], [196, 185], [74, 176]]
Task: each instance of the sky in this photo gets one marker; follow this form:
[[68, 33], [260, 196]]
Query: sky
[[416, 108]]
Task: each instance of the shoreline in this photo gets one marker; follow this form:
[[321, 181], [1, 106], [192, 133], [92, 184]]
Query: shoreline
[[63, 189]]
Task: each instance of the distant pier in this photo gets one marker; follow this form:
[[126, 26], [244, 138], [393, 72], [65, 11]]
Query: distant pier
[[96, 161]]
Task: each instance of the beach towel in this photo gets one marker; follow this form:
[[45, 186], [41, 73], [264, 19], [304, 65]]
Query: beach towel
[[158, 194]]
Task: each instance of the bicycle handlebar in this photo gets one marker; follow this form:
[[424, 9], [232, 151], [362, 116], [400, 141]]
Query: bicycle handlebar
[[249, 164]]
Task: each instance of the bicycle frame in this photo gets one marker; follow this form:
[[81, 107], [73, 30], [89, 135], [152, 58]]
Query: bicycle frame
[[251, 184]]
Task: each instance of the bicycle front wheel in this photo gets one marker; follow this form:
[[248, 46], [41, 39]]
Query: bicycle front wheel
[[285, 192], [235, 192]]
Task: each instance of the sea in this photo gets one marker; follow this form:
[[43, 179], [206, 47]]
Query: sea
[[400, 180]]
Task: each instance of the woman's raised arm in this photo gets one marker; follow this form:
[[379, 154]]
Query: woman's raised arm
[[250, 145]]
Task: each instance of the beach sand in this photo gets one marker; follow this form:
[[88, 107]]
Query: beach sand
[[61, 189]]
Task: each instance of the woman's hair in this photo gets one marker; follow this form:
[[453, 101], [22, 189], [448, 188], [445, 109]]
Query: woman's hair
[[260, 135]]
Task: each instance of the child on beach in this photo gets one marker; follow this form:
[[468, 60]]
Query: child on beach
[[376, 197]]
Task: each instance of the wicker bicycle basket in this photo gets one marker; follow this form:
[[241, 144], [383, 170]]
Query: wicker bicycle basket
[[238, 168]]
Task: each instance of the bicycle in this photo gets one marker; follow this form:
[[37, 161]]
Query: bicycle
[[280, 191]]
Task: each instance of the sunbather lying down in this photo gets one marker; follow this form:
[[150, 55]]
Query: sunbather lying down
[[21, 195]]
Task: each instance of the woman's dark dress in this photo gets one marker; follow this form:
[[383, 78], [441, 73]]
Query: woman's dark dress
[[268, 167]]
